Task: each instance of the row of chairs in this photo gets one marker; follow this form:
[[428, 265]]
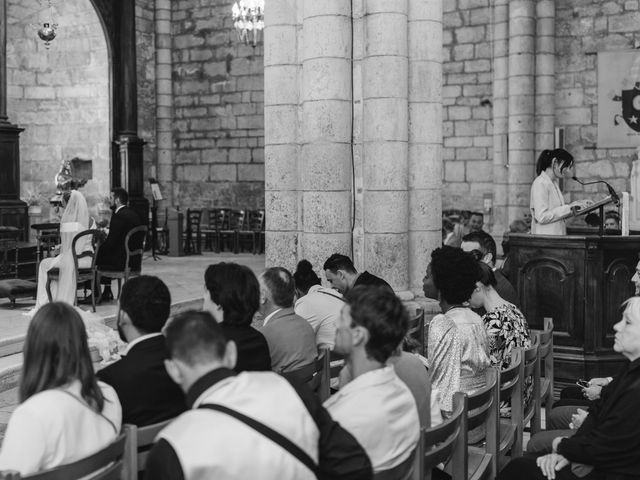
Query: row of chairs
[[226, 226], [134, 246]]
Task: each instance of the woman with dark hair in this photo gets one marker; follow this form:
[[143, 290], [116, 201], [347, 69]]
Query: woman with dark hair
[[458, 348], [318, 305], [65, 414], [505, 323], [547, 204], [232, 297]]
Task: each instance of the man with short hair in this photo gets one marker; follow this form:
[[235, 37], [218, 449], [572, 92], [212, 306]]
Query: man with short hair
[[112, 253], [292, 341], [636, 278], [376, 406], [476, 222], [230, 431], [343, 276], [486, 245], [146, 392]]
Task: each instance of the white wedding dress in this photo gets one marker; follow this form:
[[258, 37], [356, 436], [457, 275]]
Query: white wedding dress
[[75, 219]]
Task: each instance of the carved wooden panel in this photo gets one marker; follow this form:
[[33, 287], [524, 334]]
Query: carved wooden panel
[[548, 290], [618, 288]]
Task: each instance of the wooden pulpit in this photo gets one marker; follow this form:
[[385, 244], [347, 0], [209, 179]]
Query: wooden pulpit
[[580, 281]]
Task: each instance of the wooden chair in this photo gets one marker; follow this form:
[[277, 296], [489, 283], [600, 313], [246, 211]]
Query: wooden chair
[[218, 220], [82, 274], [483, 410], [416, 328], [106, 464], [404, 471], [134, 243], [444, 442], [235, 223], [253, 225], [10, 285], [312, 375], [139, 443], [531, 369], [511, 430], [544, 340], [192, 232]]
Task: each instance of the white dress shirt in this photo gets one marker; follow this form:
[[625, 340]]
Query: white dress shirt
[[547, 207], [378, 409], [321, 307], [55, 427]]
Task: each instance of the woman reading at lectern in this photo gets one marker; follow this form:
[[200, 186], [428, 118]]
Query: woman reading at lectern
[[547, 203]]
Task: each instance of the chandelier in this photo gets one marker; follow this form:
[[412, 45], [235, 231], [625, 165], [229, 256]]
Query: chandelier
[[47, 29], [248, 19]]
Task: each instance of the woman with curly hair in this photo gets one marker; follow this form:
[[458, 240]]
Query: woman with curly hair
[[457, 348], [506, 326]]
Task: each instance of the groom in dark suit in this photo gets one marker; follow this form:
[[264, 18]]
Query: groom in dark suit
[[112, 254], [146, 392]]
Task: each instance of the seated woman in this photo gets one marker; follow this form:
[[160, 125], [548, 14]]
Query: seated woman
[[607, 444], [458, 347], [506, 326], [65, 414], [75, 219], [318, 305]]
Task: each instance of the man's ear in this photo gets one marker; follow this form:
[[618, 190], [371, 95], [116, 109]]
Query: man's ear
[[359, 336], [230, 355], [173, 371]]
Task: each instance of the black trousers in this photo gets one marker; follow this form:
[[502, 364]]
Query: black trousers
[[525, 468]]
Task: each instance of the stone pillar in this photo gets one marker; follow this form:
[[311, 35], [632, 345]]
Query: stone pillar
[[545, 74], [522, 28], [281, 98], [425, 135], [500, 115], [3, 62], [164, 99], [385, 137]]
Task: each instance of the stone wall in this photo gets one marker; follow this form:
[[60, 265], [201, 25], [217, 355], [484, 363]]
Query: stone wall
[[60, 95], [218, 109], [467, 93]]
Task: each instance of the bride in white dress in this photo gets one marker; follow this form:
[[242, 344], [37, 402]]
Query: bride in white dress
[[75, 219]]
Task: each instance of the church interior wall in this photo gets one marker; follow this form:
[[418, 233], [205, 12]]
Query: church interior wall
[[218, 109], [60, 95]]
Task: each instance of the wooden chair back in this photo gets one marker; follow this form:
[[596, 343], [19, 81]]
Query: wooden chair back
[[106, 464], [134, 243], [217, 219], [531, 369], [312, 374], [192, 232], [93, 253], [443, 442], [416, 328], [544, 339], [139, 443], [483, 410], [511, 431]]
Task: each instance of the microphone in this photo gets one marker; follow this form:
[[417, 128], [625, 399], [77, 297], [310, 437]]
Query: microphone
[[612, 192]]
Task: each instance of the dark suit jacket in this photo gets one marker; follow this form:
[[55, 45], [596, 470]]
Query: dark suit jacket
[[146, 392], [369, 279], [112, 253], [253, 350]]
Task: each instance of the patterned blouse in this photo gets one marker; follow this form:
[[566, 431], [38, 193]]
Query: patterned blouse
[[507, 329]]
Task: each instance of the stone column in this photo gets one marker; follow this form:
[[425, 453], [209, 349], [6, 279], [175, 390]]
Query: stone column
[[500, 115], [385, 138], [522, 28], [281, 98], [3, 62], [164, 99], [425, 135], [545, 74], [325, 158]]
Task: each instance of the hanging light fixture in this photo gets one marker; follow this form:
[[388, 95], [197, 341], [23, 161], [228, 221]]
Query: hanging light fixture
[[47, 32], [248, 19]]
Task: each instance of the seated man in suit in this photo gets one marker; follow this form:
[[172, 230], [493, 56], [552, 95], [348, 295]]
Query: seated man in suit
[[113, 254], [343, 276], [146, 392], [292, 341]]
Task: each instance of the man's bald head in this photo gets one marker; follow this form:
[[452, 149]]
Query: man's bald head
[[280, 286]]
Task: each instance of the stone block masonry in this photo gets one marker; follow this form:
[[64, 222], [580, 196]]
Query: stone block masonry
[[218, 127]]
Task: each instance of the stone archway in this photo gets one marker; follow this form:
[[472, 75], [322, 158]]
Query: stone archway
[[60, 96]]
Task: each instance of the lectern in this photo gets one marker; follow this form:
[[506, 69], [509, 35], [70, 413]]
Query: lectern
[[580, 281]]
